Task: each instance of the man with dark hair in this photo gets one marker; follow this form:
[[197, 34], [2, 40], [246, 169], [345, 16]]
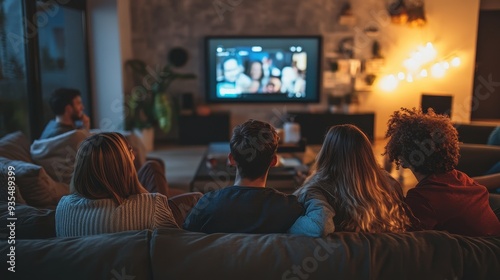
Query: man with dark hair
[[67, 106], [248, 206], [444, 198]]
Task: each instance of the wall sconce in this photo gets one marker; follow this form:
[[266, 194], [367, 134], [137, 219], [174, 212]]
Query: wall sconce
[[416, 14], [409, 11], [397, 11]]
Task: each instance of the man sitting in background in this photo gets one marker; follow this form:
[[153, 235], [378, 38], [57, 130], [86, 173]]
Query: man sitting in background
[[248, 206], [67, 106]]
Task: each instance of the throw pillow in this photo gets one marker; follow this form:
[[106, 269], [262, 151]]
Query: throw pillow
[[15, 146], [57, 154], [35, 186], [31, 222]]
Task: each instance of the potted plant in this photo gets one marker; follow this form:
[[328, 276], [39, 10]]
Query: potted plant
[[150, 103]]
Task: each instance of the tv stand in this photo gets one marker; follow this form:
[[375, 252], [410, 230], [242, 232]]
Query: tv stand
[[314, 126]]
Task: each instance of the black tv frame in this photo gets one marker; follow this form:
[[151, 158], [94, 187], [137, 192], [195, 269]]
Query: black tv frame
[[317, 79]]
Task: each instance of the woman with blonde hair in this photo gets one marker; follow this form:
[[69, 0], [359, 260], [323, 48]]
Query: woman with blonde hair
[[348, 191], [106, 195]]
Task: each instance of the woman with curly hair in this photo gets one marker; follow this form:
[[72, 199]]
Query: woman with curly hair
[[348, 191], [444, 198]]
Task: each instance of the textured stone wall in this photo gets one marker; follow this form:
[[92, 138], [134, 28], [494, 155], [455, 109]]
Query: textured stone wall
[[159, 25]]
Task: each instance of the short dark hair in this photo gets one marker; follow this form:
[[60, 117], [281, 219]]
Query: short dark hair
[[428, 142], [62, 97], [253, 145]]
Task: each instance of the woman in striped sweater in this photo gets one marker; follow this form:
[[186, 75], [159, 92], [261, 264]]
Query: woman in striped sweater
[[106, 195]]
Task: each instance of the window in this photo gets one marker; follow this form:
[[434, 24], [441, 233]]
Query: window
[[43, 46], [13, 81]]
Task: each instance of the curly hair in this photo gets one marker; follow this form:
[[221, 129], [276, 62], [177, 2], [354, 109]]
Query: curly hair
[[425, 142]]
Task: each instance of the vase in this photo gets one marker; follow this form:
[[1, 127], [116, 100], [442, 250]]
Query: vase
[[147, 136]]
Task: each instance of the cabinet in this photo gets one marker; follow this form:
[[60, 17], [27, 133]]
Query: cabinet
[[315, 125], [202, 130]]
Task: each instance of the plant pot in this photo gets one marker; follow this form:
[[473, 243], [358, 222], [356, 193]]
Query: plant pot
[[147, 136]]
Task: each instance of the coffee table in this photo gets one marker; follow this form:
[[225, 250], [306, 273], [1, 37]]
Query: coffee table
[[214, 172]]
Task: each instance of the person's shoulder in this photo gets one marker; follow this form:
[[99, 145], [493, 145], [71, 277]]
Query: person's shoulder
[[494, 138], [77, 201], [278, 195], [148, 198], [49, 130], [71, 198]]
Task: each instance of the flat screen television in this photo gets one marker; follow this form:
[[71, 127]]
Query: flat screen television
[[263, 69]]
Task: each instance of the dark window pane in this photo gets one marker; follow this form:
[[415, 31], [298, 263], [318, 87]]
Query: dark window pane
[[63, 56], [13, 93]]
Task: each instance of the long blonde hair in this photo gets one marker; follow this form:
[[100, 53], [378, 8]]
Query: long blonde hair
[[104, 168], [358, 189]]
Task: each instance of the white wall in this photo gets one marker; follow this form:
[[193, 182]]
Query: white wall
[[106, 63], [452, 28]]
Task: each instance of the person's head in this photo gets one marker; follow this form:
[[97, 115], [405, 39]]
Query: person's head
[[255, 70], [274, 85], [346, 167], [426, 143], [67, 101], [104, 168], [253, 148], [231, 69]]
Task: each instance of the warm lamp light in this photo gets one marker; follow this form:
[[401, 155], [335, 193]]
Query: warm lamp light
[[429, 52], [411, 64], [437, 70], [389, 83], [420, 64], [455, 62]]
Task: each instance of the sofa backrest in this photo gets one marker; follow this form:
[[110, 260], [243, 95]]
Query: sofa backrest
[[417, 255], [474, 133], [123, 255], [178, 254], [476, 159]]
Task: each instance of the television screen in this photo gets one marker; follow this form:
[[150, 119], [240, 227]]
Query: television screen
[[263, 69]]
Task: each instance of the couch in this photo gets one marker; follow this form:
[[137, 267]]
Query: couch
[[178, 254], [476, 157], [474, 133]]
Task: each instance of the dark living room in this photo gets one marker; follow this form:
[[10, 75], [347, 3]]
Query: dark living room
[[159, 72]]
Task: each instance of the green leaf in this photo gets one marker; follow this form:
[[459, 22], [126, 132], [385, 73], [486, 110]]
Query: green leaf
[[163, 110]]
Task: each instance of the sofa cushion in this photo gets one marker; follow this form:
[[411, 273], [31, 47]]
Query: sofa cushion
[[474, 133], [476, 159], [57, 154], [123, 255], [36, 187], [181, 205], [15, 146], [31, 222], [419, 255]]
